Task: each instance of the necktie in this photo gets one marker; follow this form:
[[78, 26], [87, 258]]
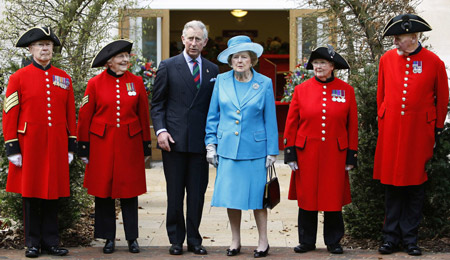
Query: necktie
[[196, 73]]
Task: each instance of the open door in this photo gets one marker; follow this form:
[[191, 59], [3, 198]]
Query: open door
[[149, 30], [306, 30]]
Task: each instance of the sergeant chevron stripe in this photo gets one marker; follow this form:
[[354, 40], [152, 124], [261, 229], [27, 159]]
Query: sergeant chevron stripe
[[11, 101], [85, 100]]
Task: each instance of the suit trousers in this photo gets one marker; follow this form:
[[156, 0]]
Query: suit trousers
[[40, 218], [333, 229], [185, 172], [105, 218], [403, 213]]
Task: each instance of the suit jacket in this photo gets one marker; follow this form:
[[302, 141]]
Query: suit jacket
[[39, 122], [245, 130], [178, 106]]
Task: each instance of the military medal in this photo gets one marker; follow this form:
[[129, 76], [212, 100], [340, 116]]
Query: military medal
[[61, 82], [338, 96], [131, 90], [417, 66]]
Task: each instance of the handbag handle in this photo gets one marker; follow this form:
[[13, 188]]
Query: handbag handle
[[271, 172]]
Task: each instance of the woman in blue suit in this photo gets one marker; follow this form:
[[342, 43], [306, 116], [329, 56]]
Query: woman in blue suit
[[242, 127]]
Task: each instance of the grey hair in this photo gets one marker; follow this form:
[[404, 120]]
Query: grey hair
[[194, 24]]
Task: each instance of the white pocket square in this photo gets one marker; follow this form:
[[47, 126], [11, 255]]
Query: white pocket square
[[212, 80]]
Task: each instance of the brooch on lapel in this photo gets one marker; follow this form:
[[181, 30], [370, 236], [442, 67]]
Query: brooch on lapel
[[255, 86], [131, 90], [338, 95], [61, 82], [417, 66]]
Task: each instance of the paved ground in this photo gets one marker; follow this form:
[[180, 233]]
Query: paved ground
[[282, 228]]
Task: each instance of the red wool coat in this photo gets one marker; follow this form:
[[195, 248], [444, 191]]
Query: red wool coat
[[322, 130], [38, 121], [114, 133], [412, 101]]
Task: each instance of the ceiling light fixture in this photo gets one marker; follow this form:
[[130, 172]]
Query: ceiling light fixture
[[239, 13]]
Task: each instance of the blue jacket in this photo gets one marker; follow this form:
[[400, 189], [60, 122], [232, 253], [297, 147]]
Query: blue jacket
[[247, 130]]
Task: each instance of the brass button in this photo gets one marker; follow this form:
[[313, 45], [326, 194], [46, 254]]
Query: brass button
[[238, 111], [236, 133], [402, 113], [237, 122], [323, 139]]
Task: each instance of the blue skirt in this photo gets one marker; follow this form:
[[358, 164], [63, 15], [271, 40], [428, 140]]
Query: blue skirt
[[239, 184]]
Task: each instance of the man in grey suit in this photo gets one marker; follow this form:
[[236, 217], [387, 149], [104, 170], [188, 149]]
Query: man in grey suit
[[180, 102]]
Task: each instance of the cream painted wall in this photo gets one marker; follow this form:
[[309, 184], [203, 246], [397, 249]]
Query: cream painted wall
[[437, 14]]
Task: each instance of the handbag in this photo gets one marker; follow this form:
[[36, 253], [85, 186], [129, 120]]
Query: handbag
[[272, 189]]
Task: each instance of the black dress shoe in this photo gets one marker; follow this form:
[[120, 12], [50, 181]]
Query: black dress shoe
[[233, 252], [258, 254], [133, 246], [303, 248], [413, 249], [32, 252], [109, 246], [198, 250], [387, 248], [335, 249], [55, 250], [176, 249]]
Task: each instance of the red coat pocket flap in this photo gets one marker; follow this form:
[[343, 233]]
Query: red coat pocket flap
[[300, 141], [22, 128], [134, 128], [342, 142], [431, 115], [97, 128], [381, 110]]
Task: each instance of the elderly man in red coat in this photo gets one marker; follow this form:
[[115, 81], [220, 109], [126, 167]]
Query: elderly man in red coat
[[412, 103], [40, 136]]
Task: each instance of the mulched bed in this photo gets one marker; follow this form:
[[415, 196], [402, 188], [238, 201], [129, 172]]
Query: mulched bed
[[430, 245]]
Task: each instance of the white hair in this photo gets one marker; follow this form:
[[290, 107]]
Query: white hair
[[194, 24]]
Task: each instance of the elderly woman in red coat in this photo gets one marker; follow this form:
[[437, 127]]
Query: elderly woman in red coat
[[114, 139], [321, 140]]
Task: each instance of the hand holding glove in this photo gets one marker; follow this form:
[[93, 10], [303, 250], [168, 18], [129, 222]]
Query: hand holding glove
[[70, 157], [16, 159], [85, 160], [293, 165], [211, 155], [270, 160]]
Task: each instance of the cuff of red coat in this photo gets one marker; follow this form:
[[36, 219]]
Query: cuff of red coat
[[352, 158], [147, 148], [73, 144], [83, 149], [290, 154], [12, 147]]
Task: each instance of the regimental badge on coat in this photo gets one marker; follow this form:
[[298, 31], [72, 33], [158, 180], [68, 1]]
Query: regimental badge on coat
[[417, 66], [61, 82], [338, 95], [131, 90]]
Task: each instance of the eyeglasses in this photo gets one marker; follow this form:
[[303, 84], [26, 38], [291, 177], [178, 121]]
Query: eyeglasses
[[42, 45]]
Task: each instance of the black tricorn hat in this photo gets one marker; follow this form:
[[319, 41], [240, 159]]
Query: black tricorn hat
[[37, 34], [327, 53], [406, 23], [110, 50]]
